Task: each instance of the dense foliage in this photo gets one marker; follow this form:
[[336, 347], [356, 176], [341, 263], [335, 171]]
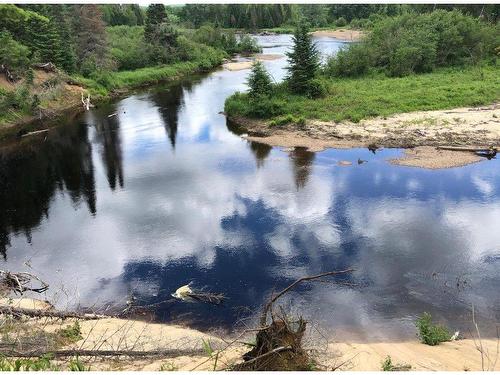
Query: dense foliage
[[417, 44], [255, 16]]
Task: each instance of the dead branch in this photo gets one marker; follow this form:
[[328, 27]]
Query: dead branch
[[46, 67], [267, 307], [20, 282], [213, 298], [8, 74], [35, 132], [19, 311], [170, 353]]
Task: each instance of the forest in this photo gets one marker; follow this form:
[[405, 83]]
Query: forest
[[108, 47]]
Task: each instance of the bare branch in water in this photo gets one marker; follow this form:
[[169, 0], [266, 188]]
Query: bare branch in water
[[267, 307]]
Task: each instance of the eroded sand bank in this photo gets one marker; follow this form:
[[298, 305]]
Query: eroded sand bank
[[419, 132]]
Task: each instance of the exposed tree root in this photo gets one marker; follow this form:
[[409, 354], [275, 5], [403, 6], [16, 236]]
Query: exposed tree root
[[279, 345]]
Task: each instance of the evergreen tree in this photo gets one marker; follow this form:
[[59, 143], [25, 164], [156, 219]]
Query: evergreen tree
[[91, 43], [66, 57], [139, 16], [303, 60], [155, 16], [259, 80]]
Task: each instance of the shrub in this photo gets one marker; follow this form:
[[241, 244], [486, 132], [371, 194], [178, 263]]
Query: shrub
[[417, 43], [429, 333], [13, 54], [349, 62], [70, 334], [341, 22], [316, 88], [243, 105], [387, 365], [247, 45]]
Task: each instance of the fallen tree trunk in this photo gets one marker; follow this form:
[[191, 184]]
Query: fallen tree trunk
[[468, 149], [18, 311], [168, 353], [47, 67], [35, 132]]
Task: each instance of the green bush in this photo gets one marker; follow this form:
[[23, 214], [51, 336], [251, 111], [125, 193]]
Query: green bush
[[341, 22], [127, 46], [429, 333], [418, 43], [243, 105], [349, 62], [247, 45], [316, 88]]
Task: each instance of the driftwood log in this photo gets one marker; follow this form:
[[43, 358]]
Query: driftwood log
[[168, 353], [46, 67], [486, 152], [34, 313]]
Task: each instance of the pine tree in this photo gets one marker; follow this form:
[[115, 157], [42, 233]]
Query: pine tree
[[303, 60], [259, 81], [155, 16], [91, 42], [67, 58]]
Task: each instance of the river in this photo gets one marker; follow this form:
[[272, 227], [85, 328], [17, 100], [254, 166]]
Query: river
[[132, 206]]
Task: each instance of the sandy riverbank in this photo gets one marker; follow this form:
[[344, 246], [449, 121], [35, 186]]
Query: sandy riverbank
[[122, 334], [242, 65], [341, 34], [420, 132]]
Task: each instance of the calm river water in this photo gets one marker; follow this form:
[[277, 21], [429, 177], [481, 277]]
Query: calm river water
[[164, 193]]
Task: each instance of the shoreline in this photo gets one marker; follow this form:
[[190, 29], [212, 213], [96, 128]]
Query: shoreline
[[187, 346], [27, 123], [419, 133]]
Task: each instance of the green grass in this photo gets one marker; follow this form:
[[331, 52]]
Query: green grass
[[355, 99]]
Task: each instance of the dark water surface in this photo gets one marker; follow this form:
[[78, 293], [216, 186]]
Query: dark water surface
[[164, 193]]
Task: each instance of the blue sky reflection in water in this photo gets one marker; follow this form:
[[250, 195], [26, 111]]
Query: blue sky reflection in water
[[165, 193]]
